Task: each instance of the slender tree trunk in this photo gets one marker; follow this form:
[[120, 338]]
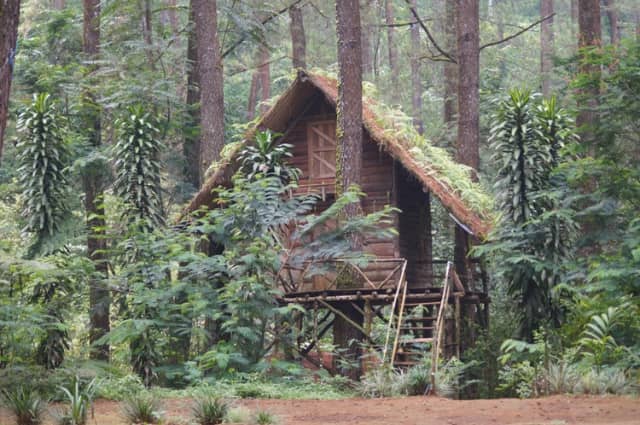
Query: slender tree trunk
[[416, 81], [590, 35], [59, 4], [468, 140], [211, 83], [349, 146], [367, 48], [191, 144], [9, 19], [450, 107], [264, 72], [147, 31], [612, 17], [253, 95], [298, 38], [99, 299], [393, 52], [546, 46], [574, 10]]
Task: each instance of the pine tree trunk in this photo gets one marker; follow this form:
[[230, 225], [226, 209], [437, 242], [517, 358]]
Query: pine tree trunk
[[393, 53], [590, 35], [211, 84], [264, 72], [468, 140], [365, 37], [147, 32], [99, 299], [9, 19], [298, 38], [416, 81], [191, 144], [612, 17], [349, 148], [450, 107], [59, 4], [253, 95], [546, 46]]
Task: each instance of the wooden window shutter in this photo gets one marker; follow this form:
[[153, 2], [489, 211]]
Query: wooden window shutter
[[321, 137]]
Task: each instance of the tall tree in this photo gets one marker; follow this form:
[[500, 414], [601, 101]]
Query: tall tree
[[93, 181], [612, 17], [393, 52], [468, 139], [264, 72], [416, 81], [450, 107], [349, 143], [590, 35], [191, 144], [546, 45], [59, 4], [211, 83], [365, 37], [298, 38], [9, 19]]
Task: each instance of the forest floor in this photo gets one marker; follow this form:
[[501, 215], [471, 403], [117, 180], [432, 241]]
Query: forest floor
[[556, 410]]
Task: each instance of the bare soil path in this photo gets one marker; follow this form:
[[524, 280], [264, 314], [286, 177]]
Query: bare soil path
[[556, 410]]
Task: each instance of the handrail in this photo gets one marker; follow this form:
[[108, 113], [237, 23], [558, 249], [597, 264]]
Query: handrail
[[435, 354], [393, 308]]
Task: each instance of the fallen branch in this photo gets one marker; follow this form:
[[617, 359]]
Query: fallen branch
[[514, 35]]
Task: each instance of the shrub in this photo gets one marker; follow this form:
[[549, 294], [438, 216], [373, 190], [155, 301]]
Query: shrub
[[120, 388], [561, 378], [378, 383], [251, 391], [238, 415], [210, 410], [604, 381], [80, 401], [26, 406], [141, 409], [262, 417]]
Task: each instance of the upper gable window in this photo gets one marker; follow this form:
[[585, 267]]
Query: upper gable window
[[321, 139]]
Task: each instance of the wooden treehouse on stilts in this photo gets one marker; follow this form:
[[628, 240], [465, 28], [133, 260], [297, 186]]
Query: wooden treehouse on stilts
[[405, 301]]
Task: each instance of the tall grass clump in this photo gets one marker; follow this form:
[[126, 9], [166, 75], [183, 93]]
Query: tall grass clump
[[209, 410], [25, 405], [141, 409]]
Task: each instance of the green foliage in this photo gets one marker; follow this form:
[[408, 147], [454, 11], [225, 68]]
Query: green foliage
[[533, 242], [79, 399], [238, 415], [209, 410], [267, 157], [141, 409], [263, 417], [43, 175], [138, 167], [25, 405]]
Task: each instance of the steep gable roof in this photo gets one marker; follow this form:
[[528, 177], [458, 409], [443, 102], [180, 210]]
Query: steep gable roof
[[447, 180]]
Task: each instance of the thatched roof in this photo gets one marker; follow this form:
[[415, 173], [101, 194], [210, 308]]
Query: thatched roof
[[433, 167]]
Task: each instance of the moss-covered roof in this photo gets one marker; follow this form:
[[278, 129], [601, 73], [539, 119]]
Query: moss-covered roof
[[446, 179]]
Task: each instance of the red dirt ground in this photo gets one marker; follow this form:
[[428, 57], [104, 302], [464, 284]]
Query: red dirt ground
[[556, 410]]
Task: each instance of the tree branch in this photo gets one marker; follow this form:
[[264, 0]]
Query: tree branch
[[514, 35], [265, 21], [447, 55]]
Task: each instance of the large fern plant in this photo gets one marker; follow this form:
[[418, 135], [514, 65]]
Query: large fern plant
[[43, 157], [138, 175]]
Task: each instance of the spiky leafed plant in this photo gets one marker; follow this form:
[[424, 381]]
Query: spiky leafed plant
[[523, 160], [43, 158], [267, 157], [527, 139], [138, 168]]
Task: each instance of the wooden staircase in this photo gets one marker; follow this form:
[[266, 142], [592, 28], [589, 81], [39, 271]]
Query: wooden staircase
[[419, 321]]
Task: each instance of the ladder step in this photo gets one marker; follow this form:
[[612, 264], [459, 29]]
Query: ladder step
[[409, 353], [416, 340], [416, 328], [420, 319], [405, 363], [416, 304]]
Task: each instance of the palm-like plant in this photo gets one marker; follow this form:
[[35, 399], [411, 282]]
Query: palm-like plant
[[26, 406], [43, 160], [267, 157], [80, 400], [137, 166]]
